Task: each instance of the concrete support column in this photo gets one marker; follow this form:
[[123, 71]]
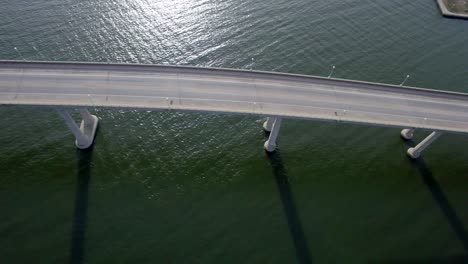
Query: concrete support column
[[268, 124], [407, 133], [87, 117], [270, 144], [79, 135], [86, 132], [416, 151]]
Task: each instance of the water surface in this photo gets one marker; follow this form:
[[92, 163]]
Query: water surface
[[177, 187]]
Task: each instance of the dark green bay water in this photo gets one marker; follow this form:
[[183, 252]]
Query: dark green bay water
[[177, 187]]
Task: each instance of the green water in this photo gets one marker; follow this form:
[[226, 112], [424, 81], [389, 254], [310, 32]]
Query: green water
[[176, 187]]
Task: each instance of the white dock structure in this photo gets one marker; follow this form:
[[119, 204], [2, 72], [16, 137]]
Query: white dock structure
[[277, 96]]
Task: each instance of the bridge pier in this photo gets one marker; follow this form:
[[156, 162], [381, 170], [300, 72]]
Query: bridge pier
[[84, 133], [270, 144], [407, 133], [416, 151], [268, 124]]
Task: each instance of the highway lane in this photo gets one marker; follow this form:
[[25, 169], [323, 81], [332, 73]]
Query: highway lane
[[229, 91]]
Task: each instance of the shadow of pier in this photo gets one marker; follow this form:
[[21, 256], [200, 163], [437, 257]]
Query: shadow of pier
[[441, 200], [448, 211], [290, 209], [443, 203], [81, 207]]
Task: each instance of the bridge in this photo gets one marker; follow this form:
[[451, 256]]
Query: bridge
[[65, 85]]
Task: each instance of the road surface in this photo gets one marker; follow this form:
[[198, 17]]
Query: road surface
[[159, 87]]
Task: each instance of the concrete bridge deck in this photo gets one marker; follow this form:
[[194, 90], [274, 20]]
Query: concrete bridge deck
[[71, 84]]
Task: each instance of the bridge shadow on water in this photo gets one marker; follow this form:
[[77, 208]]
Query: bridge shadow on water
[[443, 203], [290, 209], [438, 195], [450, 214], [81, 207]]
